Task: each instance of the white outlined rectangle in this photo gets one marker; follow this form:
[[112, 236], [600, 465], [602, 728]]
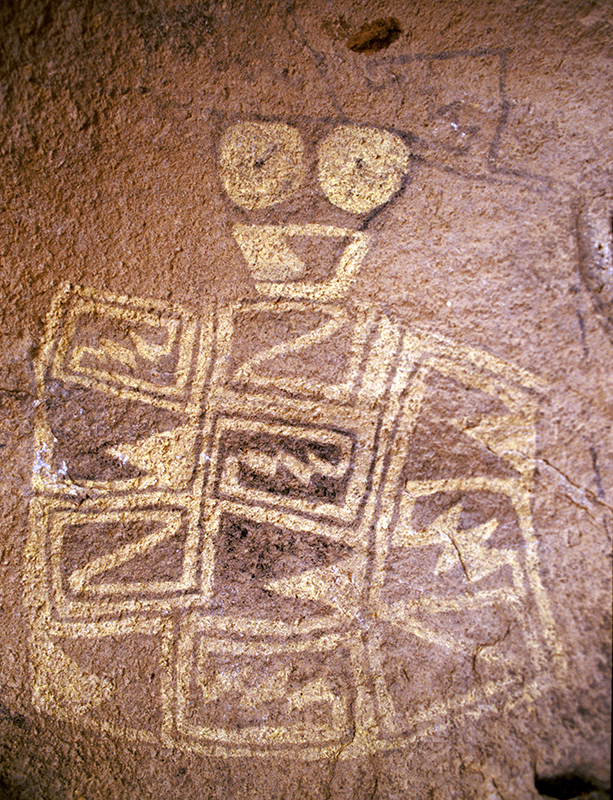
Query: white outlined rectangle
[[158, 354], [78, 598], [357, 451], [196, 648]]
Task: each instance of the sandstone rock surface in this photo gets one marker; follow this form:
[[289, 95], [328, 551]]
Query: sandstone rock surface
[[305, 399]]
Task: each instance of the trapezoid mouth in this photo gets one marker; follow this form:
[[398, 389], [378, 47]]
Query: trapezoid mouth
[[308, 261]]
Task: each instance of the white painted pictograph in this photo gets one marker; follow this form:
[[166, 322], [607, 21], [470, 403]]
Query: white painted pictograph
[[321, 493]]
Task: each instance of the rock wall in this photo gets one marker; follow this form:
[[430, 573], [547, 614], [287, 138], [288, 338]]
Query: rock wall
[[305, 399]]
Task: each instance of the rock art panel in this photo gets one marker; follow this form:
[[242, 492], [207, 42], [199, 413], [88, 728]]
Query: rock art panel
[[320, 484]]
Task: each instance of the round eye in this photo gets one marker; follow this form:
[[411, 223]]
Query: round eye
[[261, 163], [361, 168]]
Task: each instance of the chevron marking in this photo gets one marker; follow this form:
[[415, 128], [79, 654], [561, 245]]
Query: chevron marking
[[508, 436], [338, 584], [254, 691], [336, 320], [114, 351], [466, 547]]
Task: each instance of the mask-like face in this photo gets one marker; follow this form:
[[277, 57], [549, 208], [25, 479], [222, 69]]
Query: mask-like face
[[288, 497], [346, 177]]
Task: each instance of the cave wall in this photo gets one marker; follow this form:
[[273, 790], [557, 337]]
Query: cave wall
[[305, 399]]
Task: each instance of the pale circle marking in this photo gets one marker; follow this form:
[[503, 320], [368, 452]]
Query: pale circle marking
[[262, 163], [361, 168]]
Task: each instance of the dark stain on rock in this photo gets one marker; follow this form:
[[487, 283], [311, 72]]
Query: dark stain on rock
[[16, 719], [184, 29], [375, 36], [568, 787], [594, 454]]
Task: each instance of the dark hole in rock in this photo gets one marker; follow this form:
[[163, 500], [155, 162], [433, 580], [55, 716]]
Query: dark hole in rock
[[564, 787], [8, 791], [375, 36]]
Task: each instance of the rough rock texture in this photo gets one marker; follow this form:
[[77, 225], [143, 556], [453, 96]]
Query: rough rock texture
[[305, 399]]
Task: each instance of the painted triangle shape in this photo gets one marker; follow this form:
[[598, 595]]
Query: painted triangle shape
[[339, 584]]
